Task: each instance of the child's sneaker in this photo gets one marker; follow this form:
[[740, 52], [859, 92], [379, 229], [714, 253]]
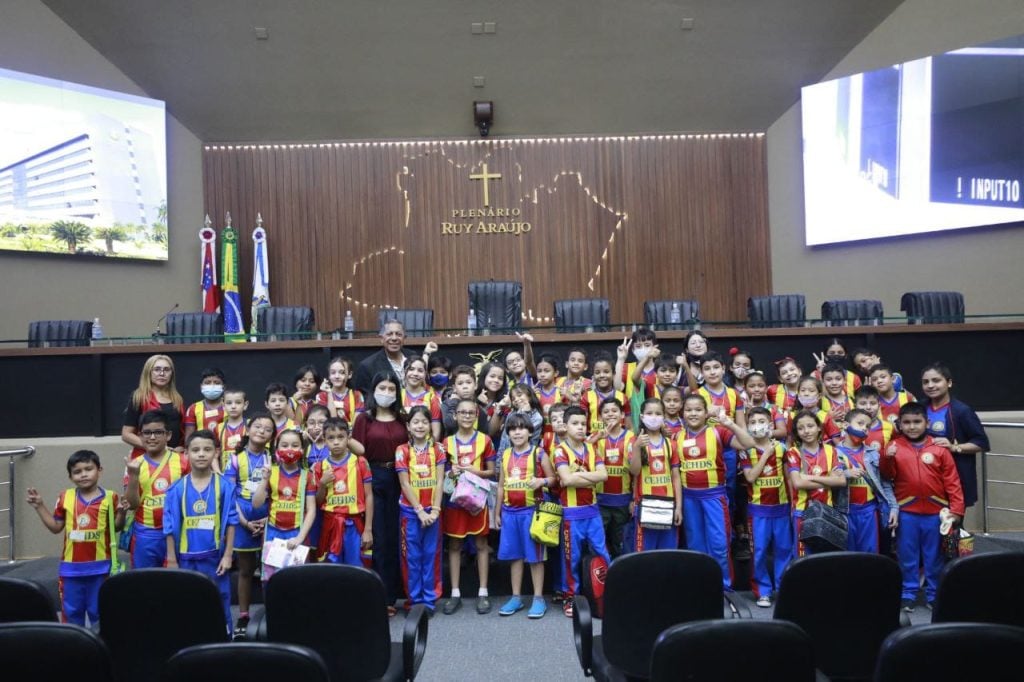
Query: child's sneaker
[[558, 597], [907, 605], [764, 601], [538, 608], [451, 605], [511, 606], [241, 627], [567, 608]]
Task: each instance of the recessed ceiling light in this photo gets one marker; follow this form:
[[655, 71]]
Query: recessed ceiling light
[[261, 32]]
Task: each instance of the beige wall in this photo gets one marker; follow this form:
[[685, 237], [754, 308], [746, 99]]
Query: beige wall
[[984, 265], [127, 296]]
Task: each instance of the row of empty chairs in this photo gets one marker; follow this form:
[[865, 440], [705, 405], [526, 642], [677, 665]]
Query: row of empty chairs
[[182, 609], [844, 628], [498, 307]]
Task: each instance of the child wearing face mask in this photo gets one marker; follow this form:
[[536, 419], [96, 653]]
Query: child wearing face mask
[[654, 465], [835, 353], [292, 494], [439, 369], [865, 483], [207, 413], [642, 341], [741, 362], [768, 514], [809, 397]]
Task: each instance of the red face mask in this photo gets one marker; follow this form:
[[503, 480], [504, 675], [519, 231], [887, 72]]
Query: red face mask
[[289, 457]]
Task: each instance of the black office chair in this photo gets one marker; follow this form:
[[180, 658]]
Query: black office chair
[[579, 314], [417, 321], [25, 600], [194, 328], [149, 614], [249, 661], [779, 310], [285, 322], [847, 623], [933, 307], [498, 305], [951, 652], [713, 650], [852, 313], [982, 588], [53, 651], [357, 645], [658, 314], [59, 333], [645, 593]]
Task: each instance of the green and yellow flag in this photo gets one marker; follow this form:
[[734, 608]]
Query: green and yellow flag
[[234, 329]]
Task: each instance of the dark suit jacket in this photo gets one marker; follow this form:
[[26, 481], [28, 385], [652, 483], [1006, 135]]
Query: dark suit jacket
[[370, 366]]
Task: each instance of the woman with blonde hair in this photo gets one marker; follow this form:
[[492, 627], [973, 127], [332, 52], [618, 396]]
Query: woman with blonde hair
[[156, 391]]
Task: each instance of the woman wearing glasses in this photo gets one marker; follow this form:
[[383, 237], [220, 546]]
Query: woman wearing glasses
[[156, 391]]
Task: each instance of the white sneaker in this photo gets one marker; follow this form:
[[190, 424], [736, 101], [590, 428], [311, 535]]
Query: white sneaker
[[764, 602]]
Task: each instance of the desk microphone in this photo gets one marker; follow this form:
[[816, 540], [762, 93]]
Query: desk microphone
[[157, 334]]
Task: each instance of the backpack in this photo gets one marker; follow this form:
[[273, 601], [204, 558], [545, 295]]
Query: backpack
[[593, 570]]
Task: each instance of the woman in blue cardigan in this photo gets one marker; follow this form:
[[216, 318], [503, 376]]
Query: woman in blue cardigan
[[954, 425]]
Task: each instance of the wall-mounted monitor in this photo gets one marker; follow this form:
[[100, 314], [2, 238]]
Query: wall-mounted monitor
[[83, 171], [925, 146]]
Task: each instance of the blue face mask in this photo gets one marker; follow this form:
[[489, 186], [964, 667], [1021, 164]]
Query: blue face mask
[[439, 380], [853, 431]]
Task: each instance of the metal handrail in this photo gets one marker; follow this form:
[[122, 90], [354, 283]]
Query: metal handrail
[[984, 473], [26, 451]]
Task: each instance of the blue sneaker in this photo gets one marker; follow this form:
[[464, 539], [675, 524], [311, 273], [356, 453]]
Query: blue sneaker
[[511, 606], [538, 608]]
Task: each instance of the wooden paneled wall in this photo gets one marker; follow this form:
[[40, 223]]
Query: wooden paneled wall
[[360, 225]]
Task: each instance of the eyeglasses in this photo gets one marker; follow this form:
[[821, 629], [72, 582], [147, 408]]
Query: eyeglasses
[[464, 413], [162, 370], [152, 434]]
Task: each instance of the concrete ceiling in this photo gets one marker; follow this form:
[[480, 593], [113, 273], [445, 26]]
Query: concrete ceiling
[[337, 69]]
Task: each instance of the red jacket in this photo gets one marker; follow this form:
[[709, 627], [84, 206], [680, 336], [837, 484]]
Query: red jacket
[[924, 477]]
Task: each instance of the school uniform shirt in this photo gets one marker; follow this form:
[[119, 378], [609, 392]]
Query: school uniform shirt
[[592, 400], [700, 456], [428, 398], [924, 476], [769, 488], [349, 403], [348, 494], [673, 427], [577, 502], [245, 470], [228, 437], [202, 416], [616, 491], [287, 494], [473, 453], [155, 478], [648, 379], [656, 476], [889, 410], [198, 521], [300, 408], [88, 532], [960, 424], [286, 425], [879, 434], [727, 398], [779, 396], [519, 468], [818, 463], [421, 465], [547, 398], [175, 416], [860, 489], [583, 384]]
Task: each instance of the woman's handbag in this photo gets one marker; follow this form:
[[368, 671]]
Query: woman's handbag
[[546, 526]]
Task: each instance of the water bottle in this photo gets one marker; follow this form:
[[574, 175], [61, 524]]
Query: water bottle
[[674, 317], [471, 322], [350, 324], [97, 329]]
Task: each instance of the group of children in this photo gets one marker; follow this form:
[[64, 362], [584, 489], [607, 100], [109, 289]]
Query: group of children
[[650, 453]]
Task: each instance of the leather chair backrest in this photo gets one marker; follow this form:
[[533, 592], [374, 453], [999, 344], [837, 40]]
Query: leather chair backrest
[[852, 313], [576, 315], [417, 321], [286, 322], [498, 305], [944, 652], [249, 661], [59, 333], [706, 650], [25, 600], [657, 314], [849, 629], [982, 588], [195, 328], [933, 307], [53, 651], [779, 310]]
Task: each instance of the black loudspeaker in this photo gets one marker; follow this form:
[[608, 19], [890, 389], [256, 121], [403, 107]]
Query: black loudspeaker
[[483, 116]]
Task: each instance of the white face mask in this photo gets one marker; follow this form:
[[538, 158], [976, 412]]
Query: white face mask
[[653, 421], [212, 392], [384, 399], [808, 401], [641, 353], [759, 430]]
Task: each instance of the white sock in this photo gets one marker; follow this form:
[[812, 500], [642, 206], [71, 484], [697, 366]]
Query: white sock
[[482, 592], [456, 593]]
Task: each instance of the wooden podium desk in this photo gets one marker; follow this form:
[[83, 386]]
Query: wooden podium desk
[[83, 391]]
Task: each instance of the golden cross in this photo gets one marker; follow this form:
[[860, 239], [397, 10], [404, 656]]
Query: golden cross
[[486, 177]]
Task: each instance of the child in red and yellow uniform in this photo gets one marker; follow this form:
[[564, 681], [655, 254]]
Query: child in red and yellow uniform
[[345, 496], [230, 432], [812, 469], [602, 389], [339, 399], [420, 467], [90, 518], [208, 412], [614, 444], [654, 465]]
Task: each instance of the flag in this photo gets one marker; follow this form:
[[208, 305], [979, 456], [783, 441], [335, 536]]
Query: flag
[[208, 267], [260, 273], [234, 331]]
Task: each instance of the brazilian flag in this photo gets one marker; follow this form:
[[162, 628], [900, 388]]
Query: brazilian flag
[[234, 329]]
